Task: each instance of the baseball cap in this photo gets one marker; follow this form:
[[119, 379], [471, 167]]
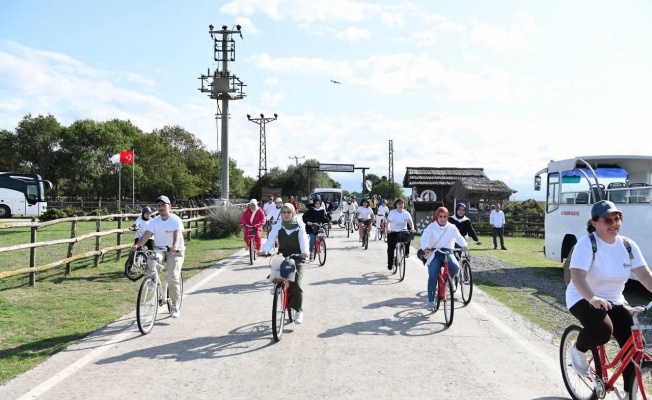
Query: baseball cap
[[253, 201], [603, 208], [164, 199], [278, 200]]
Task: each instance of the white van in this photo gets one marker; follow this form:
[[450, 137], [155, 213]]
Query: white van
[[336, 197]]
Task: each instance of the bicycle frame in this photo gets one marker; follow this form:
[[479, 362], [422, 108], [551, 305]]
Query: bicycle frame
[[443, 274]]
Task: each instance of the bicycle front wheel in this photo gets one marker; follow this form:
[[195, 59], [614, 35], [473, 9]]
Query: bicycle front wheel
[[579, 387], [251, 251], [341, 222], [327, 230], [356, 224], [365, 239], [321, 254], [348, 229], [439, 283], [466, 281], [147, 306], [278, 312], [644, 388], [449, 306], [401, 264]]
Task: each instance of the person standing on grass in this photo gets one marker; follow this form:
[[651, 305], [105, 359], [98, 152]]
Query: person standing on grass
[[497, 222], [167, 228]]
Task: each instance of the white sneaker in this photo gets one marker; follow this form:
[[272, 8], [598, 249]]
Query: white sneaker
[[430, 306], [174, 312], [579, 361], [298, 318]]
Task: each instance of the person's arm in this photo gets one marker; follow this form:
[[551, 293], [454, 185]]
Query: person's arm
[[271, 239], [491, 218], [644, 276], [411, 223], [304, 243], [175, 240], [143, 239], [472, 233], [459, 239]]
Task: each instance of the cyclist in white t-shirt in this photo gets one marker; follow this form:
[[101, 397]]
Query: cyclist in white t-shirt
[[383, 210], [365, 216], [398, 220]]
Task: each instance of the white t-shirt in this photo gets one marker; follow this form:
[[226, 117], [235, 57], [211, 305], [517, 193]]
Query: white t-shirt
[[268, 208], [610, 270], [398, 221], [382, 210], [365, 213], [163, 230], [275, 213], [141, 226]]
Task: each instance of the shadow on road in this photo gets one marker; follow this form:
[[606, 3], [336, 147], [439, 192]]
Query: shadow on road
[[242, 340], [258, 286], [370, 278]]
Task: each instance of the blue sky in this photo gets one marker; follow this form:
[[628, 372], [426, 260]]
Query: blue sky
[[500, 85]]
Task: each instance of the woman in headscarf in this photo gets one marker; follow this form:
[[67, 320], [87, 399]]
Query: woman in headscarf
[[315, 215], [440, 235], [463, 223], [292, 239], [253, 216]]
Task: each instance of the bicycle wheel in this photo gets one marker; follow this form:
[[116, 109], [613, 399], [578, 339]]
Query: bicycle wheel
[[449, 306], [466, 281], [348, 229], [147, 306], [278, 312], [579, 387], [365, 238], [645, 388], [135, 266], [251, 250], [322, 252], [327, 230], [438, 282], [341, 222], [356, 224], [401, 265]]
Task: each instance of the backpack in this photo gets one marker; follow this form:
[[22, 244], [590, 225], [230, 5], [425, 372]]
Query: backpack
[[594, 247]]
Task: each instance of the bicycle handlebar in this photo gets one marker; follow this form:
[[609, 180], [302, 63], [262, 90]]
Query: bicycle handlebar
[[636, 309]]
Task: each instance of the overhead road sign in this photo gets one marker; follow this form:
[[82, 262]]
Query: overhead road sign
[[336, 167]]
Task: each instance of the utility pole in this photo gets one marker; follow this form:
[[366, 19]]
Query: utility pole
[[296, 158], [222, 85], [390, 176], [262, 160], [363, 179]]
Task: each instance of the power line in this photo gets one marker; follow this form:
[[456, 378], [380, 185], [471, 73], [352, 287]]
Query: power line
[[296, 158]]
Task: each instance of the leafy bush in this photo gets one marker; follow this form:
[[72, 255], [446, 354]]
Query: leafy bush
[[223, 222], [51, 214]]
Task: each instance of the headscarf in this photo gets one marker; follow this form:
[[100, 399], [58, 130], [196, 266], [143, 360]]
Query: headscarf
[[439, 211], [292, 223], [146, 209], [460, 205]]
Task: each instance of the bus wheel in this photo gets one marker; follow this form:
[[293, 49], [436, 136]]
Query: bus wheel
[[5, 212]]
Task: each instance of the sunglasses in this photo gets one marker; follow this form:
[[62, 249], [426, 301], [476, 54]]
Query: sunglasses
[[610, 221]]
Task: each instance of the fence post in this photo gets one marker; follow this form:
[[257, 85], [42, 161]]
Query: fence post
[[189, 214], [32, 254], [119, 239], [98, 225], [71, 245]]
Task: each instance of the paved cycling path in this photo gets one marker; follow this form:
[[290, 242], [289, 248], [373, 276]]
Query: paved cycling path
[[365, 335]]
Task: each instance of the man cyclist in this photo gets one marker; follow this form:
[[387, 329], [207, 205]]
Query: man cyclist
[[365, 217], [349, 210], [167, 228], [269, 207]]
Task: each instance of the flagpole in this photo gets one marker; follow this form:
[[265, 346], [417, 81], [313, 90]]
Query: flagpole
[[133, 183], [119, 185]]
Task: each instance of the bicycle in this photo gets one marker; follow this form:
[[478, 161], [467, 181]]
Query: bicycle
[[153, 293], [268, 226], [464, 276], [381, 231], [399, 253], [443, 290], [320, 242], [347, 223], [283, 271], [598, 383], [135, 266], [365, 233], [253, 230]]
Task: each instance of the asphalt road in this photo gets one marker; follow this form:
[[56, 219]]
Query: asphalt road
[[365, 335]]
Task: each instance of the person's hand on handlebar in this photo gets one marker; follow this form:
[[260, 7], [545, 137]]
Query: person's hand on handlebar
[[304, 256], [263, 254]]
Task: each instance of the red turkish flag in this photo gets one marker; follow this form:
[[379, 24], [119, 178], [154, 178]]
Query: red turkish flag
[[127, 157]]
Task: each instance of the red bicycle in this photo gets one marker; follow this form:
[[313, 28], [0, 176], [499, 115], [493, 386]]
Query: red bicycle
[[598, 383], [320, 242], [253, 230], [443, 290], [381, 231], [283, 271]]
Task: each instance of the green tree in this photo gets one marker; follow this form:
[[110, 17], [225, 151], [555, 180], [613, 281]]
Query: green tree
[[9, 157], [383, 190], [38, 141]]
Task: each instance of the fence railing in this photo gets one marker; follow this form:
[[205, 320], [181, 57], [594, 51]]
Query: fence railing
[[189, 216]]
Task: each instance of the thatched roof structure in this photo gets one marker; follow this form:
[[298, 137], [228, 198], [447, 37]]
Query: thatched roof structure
[[425, 176], [474, 190]]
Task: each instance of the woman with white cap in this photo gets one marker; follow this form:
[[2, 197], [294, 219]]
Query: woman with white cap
[[601, 264], [253, 216]]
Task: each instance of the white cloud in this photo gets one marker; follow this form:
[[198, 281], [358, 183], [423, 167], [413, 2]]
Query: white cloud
[[353, 34], [499, 39]]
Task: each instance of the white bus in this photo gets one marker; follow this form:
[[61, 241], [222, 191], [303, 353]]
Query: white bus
[[22, 194], [574, 185], [336, 197]]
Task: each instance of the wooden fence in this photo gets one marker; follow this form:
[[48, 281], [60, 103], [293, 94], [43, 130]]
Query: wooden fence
[[190, 217], [521, 225]]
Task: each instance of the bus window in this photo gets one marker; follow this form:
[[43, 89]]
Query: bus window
[[552, 202], [31, 193]]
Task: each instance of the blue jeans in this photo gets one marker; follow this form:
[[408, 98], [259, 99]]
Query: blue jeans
[[313, 236], [433, 271]]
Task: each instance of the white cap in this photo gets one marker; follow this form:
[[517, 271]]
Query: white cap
[[253, 201], [278, 200]]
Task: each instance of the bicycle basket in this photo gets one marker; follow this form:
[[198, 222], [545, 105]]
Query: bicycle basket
[[315, 228], [405, 237]]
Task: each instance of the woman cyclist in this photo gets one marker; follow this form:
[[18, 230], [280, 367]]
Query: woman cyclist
[[440, 235], [365, 215], [252, 216], [316, 214], [463, 223], [598, 280], [291, 240], [383, 210], [398, 220]]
